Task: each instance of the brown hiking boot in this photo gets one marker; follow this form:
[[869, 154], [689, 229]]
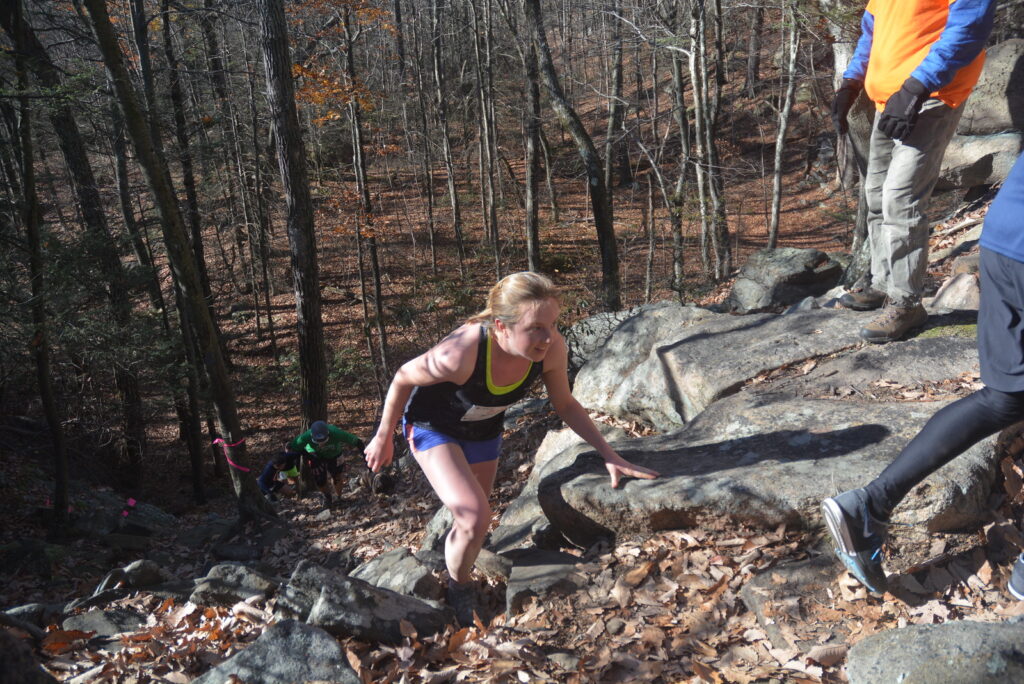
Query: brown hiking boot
[[893, 323], [866, 299]]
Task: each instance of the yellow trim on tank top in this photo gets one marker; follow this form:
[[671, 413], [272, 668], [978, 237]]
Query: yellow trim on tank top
[[491, 387]]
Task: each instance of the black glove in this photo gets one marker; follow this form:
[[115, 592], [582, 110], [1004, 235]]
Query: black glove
[[900, 113], [847, 94]]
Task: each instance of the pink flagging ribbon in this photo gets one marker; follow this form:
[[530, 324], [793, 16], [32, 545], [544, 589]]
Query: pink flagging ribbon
[[226, 446]]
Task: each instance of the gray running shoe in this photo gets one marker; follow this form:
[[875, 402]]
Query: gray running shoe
[[858, 537]]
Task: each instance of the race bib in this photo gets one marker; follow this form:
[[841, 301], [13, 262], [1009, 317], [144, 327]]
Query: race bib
[[482, 413]]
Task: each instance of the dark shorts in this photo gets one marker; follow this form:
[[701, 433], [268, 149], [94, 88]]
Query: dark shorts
[[1001, 322], [421, 439], [322, 467]]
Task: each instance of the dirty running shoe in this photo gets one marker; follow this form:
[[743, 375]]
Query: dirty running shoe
[[461, 598], [858, 537], [893, 323], [271, 497], [1016, 583]]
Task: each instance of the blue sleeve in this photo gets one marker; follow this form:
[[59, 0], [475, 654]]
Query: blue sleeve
[[858, 66], [967, 30]]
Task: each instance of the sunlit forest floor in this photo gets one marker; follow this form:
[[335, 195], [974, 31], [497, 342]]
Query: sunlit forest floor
[[660, 609]]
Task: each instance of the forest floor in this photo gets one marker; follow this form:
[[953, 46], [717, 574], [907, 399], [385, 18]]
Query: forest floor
[[664, 608]]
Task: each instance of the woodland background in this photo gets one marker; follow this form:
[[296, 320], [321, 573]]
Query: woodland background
[[226, 219]]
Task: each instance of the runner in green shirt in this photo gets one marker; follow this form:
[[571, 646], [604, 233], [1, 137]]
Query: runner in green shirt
[[321, 446]]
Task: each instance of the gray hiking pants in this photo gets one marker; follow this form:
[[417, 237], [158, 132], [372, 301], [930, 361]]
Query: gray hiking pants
[[899, 182]]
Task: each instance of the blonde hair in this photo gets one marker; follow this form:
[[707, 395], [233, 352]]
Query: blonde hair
[[506, 298]]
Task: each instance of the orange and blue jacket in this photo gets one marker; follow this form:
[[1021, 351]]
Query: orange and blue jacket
[[941, 43]]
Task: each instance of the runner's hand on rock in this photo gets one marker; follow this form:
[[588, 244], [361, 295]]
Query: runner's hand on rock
[[619, 467]]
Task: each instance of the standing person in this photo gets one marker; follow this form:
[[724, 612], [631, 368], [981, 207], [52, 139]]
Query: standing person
[[322, 445], [918, 60], [857, 518], [454, 398]]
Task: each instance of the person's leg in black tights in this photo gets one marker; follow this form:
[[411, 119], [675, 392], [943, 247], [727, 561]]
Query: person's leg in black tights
[[949, 433]]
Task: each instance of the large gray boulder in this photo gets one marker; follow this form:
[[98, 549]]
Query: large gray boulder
[[287, 652], [772, 279], [399, 570], [955, 651], [620, 379], [762, 461], [689, 364], [351, 607], [997, 102], [523, 523], [972, 160], [584, 338]]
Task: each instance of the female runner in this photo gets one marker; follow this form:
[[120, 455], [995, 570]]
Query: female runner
[[454, 398]]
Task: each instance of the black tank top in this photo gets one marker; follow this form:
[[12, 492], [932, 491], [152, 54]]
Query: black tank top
[[471, 411]]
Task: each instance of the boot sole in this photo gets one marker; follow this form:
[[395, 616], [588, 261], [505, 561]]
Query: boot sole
[[886, 340], [861, 307], [836, 522]]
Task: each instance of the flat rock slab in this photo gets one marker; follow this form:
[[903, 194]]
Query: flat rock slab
[[540, 573], [762, 461], [287, 652], [696, 359], [399, 570], [351, 607], [228, 583], [106, 623], [775, 596], [908, 363], [956, 651]]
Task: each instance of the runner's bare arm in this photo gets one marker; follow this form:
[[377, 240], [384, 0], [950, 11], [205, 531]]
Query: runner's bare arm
[[450, 360], [556, 379]]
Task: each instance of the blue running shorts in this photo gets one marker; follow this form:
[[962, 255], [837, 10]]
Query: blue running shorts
[[421, 439]]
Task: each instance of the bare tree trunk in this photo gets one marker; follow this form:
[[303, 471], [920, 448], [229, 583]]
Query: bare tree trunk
[[262, 214], [218, 77], [32, 219], [614, 148], [291, 157], [366, 312], [610, 282], [678, 196], [427, 163], [780, 138], [442, 119], [181, 261], [852, 149], [532, 159], [716, 255], [754, 51]]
